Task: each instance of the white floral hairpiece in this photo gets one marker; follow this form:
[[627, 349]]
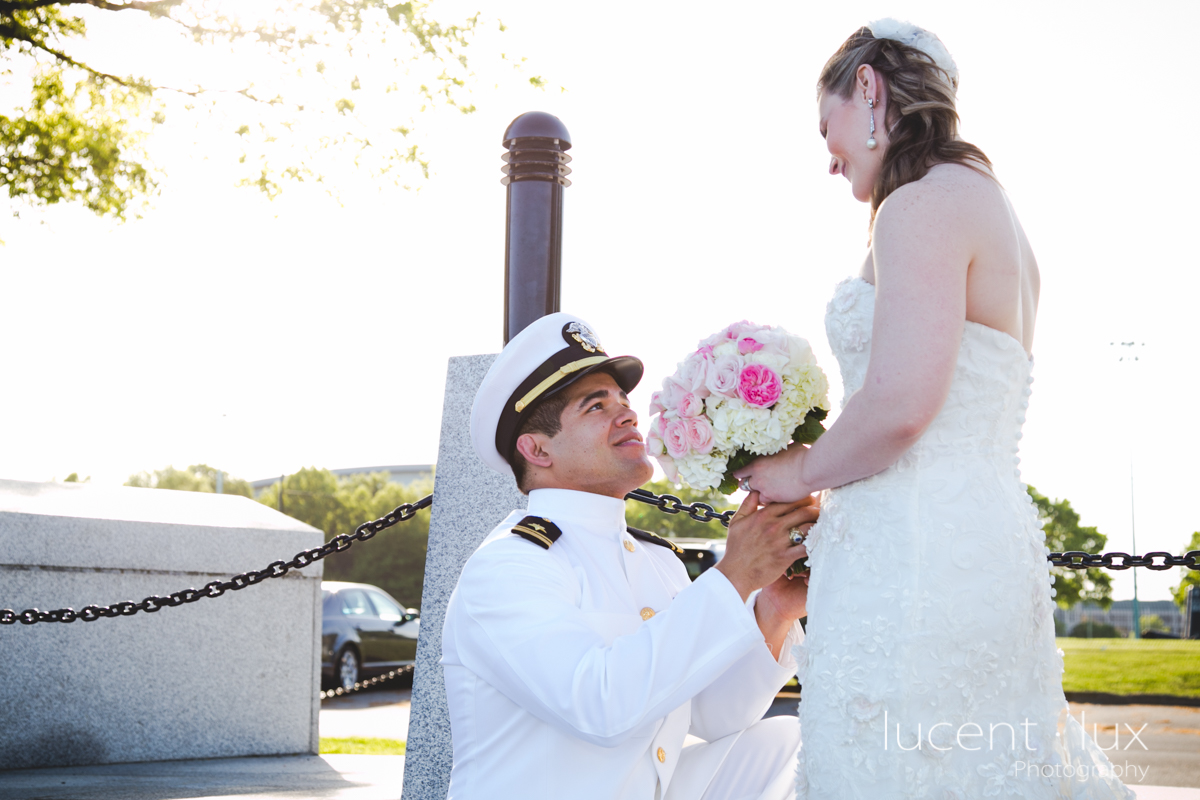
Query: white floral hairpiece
[[919, 38]]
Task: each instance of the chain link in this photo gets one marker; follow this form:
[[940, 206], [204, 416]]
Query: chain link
[[1191, 560], [667, 503], [670, 504], [276, 569], [703, 512], [358, 687]]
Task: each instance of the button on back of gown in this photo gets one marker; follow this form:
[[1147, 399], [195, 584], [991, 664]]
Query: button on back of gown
[[931, 606]]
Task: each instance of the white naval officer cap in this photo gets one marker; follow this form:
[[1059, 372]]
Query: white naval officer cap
[[545, 358]]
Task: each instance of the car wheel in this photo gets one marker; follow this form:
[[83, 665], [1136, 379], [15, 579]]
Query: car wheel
[[346, 669]]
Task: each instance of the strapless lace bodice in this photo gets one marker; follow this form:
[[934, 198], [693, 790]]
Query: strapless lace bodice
[[931, 607], [986, 406]]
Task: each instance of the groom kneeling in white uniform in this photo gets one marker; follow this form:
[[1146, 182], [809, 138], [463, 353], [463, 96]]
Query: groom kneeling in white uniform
[[577, 654]]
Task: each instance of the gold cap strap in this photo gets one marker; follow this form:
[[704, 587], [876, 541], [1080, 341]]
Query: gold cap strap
[[562, 372]]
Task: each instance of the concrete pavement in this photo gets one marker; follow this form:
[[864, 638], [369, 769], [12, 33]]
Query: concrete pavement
[[256, 778], [1166, 751], [377, 714]]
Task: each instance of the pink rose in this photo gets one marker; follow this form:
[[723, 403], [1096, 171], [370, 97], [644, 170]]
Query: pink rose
[[739, 329], [668, 466], [759, 386], [705, 351], [723, 376], [654, 446], [692, 371], [675, 438], [671, 392], [691, 405], [699, 435], [656, 404], [748, 345]]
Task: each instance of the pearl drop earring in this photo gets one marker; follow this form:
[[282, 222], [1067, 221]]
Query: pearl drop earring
[[871, 143]]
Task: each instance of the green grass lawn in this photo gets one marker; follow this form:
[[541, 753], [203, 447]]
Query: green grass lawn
[[363, 747], [1132, 666]]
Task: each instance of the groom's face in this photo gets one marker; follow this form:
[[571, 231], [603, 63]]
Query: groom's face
[[599, 449]]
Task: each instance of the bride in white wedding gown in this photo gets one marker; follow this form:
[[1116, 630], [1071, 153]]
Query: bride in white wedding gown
[[930, 667]]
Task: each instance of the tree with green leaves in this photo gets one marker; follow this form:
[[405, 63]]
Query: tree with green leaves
[[1063, 533], [309, 495], [196, 478], [318, 85], [1190, 577], [393, 560], [649, 518]]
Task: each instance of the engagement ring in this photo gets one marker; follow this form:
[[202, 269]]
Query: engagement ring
[[745, 485], [796, 536]]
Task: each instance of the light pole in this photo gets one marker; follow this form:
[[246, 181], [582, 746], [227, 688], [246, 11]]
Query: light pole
[[535, 172], [1129, 352]]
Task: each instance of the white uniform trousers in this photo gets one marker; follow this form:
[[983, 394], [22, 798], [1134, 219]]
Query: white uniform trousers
[[758, 763]]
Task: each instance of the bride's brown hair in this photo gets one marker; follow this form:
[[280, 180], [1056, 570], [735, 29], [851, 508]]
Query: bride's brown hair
[[922, 122]]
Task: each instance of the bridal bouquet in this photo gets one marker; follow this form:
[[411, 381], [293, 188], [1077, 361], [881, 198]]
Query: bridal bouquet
[[748, 390]]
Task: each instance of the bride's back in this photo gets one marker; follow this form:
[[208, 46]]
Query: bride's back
[[1002, 278]]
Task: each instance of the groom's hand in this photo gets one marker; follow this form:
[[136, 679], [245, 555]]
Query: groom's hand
[[787, 597], [777, 608], [759, 550]]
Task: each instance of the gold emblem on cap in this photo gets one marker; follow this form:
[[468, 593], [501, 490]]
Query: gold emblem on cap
[[585, 336], [558, 375], [647, 612]]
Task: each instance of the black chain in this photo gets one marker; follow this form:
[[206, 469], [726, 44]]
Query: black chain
[[276, 569], [667, 503], [670, 504], [703, 512], [1124, 561], [358, 687]]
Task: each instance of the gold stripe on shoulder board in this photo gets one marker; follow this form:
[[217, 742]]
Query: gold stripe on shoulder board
[[541, 537]]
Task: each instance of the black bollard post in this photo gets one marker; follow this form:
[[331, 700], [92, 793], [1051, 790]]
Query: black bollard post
[[535, 173]]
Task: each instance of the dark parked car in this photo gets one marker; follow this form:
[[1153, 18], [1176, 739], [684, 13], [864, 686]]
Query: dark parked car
[[699, 554], [364, 632]]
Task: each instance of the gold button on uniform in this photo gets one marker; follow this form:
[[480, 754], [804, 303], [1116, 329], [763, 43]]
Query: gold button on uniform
[[629, 546], [662, 755], [647, 612]]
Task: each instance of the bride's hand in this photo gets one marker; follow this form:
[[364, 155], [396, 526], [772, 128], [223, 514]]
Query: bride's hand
[[776, 478]]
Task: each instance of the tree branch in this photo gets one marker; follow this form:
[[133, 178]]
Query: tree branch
[[151, 7], [22, 35]]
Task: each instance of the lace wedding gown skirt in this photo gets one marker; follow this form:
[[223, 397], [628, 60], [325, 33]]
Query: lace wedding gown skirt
[[930, 606]]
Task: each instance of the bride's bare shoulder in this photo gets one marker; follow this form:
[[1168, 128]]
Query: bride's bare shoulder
[[947, 193]]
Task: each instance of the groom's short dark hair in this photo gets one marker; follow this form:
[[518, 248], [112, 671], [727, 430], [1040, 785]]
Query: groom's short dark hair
[[544, 418]]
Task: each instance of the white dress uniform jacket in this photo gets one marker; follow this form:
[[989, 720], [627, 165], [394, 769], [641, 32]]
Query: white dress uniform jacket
[[577, 671]]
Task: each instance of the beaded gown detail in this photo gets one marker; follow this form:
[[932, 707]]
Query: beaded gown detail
[[930, 605]]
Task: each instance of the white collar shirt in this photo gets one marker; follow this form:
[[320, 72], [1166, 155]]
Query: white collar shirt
[[579, 670]]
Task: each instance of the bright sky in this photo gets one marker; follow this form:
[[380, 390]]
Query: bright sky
[[261, 337]]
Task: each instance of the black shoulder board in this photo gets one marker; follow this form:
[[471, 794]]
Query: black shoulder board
[[654, 538], [538, 530]]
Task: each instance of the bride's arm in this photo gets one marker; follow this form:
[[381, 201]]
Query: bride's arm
[[921, 249]]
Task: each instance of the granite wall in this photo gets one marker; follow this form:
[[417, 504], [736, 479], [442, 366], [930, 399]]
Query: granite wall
[[236, 675], [469, 499]]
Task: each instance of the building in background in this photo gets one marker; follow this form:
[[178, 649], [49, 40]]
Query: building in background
[[402, 474], [1120, 615]]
